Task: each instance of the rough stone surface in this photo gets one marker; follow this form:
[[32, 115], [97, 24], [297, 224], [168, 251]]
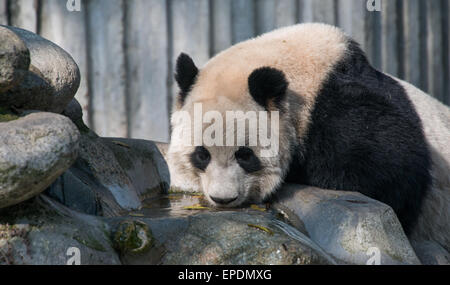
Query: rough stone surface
[[7, 115], [51, 81], [14, 59], [42, 232], [73, 111], [75, 191], [133, 240], [100, 161], [34, 151], [224, 238], [348, 225], [143, 163], [112, 176], [431, 253]]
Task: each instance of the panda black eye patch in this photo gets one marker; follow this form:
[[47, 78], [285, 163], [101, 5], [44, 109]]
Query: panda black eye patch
[[247, 159], [200, 158]]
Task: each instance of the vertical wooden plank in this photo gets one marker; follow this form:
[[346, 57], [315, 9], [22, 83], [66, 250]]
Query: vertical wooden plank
[[286, 13], [435, 50], [373, 38], [305, 11], [3, 12], [389, 37], [423, 34], [324, 11], [351, 19], [190, 31], [446, 35], [68, 30], [265, 16], [413, 42], [24, 14], [243, 20], [345, 19], [221, 25], [147, 69], [107, 67]]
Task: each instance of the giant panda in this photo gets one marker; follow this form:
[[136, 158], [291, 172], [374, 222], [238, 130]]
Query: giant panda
[[342, 125]]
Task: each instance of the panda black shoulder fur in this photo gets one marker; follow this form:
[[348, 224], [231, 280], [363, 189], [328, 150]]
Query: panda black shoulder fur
[[342, 125]]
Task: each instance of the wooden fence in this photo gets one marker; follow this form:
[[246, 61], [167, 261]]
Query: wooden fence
[[126, 48]]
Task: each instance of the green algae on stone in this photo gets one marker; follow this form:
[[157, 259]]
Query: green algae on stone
[[262, 228], [132, 237], [7, 115], [41, 230], [90, 242]]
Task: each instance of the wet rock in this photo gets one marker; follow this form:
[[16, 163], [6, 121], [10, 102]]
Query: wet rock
[[431, 253], [99, 161], [73, 111], [34, 151], [348, 225], [51, 81], [143, 163], [227, 238], [7, 115], [42, 232], [75, 191], [14, 59], [99, 172], [132, 238], [112, 176]]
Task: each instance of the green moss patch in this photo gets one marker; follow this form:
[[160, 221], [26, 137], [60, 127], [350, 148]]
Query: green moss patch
[[132, 237], [7, 115], [90, 242]]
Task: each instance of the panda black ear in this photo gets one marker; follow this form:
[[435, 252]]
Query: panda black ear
[[185, 75], [267, 84]]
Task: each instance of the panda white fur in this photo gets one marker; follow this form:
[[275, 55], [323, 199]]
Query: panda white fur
[[342, 125]]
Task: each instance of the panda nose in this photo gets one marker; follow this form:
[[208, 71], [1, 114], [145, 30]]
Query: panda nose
[[223, 201]]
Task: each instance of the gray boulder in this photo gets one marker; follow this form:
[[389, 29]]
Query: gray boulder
[[216, 238], [73, 111], [51, 81], [111, 176], [431, 253], [143, 163], [80, 193], [34, 151], [14, 59], [349, 226], [42, 232]]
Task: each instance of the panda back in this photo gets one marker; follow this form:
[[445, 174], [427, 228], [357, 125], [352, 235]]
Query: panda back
[[365, 135]]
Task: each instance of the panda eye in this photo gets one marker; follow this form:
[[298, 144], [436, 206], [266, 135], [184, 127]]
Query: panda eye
[[200, 158], [248, 160], [244, 154]]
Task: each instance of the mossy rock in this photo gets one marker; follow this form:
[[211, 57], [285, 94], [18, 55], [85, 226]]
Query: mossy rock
[[40, 232], [132, 237], [7, 115], [34, 151]]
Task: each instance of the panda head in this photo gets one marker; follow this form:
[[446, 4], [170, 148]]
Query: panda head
[[233, 168]]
